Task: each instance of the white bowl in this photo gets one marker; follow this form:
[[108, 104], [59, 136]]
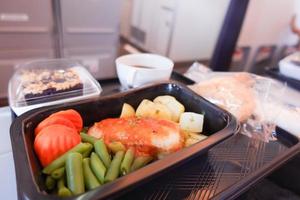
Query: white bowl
[[135, 70]]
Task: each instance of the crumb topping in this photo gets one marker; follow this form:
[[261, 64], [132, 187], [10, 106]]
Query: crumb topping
[[40, 81]]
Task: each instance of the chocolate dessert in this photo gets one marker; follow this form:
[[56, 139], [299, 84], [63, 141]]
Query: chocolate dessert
[[38, 83]]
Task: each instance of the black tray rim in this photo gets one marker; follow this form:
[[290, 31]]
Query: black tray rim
[[117, 187]]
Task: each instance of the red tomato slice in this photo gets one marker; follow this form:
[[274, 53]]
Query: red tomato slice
[[53, 141], [71, 115], [53, 120]]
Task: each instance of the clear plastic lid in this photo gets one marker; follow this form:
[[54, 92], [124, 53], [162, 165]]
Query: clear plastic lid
[[46, 81]]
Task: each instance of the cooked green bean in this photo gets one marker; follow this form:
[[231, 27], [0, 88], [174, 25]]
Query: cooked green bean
[[50, 183], [58, 173], [87, 138], [62, 190], [140, 161], [98, 167], [75, 173], [60, 161], [127, 161], [87, 153], [102, 152], [114, 169], [116, 146], [90, 180]]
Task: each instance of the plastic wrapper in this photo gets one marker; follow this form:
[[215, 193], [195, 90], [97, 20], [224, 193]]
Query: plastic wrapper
[[259, 103], [48, 82]]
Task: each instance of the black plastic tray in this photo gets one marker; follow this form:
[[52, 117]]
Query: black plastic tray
[[218, 125], [225, 172], [275, 73]]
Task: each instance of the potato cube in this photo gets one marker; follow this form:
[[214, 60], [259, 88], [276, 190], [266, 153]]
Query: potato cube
[[127, 111], [174, 106], [192, 122], [149, 109]]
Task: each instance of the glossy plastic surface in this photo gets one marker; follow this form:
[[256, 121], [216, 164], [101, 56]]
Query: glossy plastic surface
[[48, 82]]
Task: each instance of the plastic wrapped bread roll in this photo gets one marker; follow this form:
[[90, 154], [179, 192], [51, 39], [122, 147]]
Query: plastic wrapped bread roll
[[234, 94]]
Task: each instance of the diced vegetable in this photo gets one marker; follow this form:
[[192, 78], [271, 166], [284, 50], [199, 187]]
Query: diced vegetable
[[193, 138], [144, 108], [191, 122], [88, 152], [116, 146], [189, 142], [51, 121], [161, 155], [140, 161], [98, 167], [101, 150], [127, 161], [50, 183], [53, 141], [62, 190], [60, 161], [90, 180], [58, 173], [173, 105], [127, 111], [197, 136], [87, 138], [71, 115], [161, 112], [149, 109], [114, 169], [74, 173]]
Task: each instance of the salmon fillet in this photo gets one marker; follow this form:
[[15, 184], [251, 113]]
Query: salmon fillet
[[148, 136]]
